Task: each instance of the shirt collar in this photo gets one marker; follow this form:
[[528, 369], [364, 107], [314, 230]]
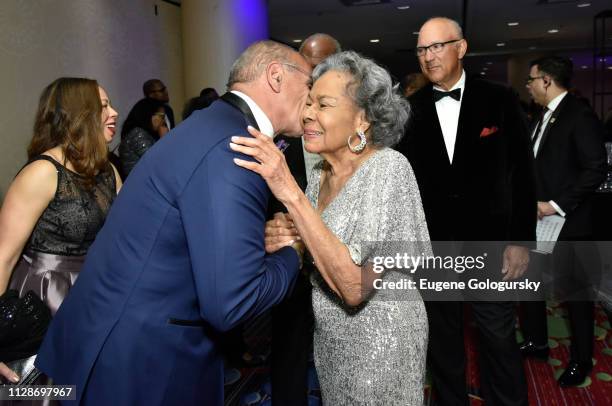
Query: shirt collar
[[263, 122], [554, 103], [460, 84]]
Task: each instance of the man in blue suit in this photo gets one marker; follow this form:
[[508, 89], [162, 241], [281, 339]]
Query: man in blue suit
[[181, 256]]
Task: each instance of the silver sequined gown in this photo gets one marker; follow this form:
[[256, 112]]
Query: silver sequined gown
[[373, 355]]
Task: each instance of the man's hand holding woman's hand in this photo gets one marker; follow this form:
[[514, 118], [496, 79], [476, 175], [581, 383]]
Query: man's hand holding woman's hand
[[281, 232]]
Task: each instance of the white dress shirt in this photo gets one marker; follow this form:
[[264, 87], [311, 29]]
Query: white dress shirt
[[551, 106], [554, 103], [448, 110], [263, 122]]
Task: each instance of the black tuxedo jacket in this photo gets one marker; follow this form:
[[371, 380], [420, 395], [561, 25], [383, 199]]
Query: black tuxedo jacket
[[488, 192], [571, 164]]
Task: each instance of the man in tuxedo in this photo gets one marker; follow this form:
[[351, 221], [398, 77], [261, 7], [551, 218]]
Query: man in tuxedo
[[467, 143], [155, 89], [292, 320], [181, 255], [570, 162]]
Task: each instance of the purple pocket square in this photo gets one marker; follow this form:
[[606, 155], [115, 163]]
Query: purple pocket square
[[282, 145]]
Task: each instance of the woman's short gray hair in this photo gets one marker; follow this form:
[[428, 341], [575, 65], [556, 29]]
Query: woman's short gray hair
[[372, 90]]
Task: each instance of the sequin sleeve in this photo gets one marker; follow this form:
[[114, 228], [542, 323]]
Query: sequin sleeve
[[395, 214], [133, 147]]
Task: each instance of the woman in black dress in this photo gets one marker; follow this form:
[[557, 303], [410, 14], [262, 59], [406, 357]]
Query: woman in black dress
[[58, 201]]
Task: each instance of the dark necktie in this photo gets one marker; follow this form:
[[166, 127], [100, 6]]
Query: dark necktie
[[455, 94], [536, 134]]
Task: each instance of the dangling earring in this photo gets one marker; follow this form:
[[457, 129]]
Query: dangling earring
[[362, 142]]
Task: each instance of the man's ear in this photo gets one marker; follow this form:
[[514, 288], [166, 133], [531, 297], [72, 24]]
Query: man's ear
[[274, 76], [462, 47]]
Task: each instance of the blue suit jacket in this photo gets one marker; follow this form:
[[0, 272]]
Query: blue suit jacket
[[180, 257]]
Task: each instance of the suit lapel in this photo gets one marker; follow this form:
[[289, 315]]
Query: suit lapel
[[437, 138], [551, 123], [468, 115], [238, 103]]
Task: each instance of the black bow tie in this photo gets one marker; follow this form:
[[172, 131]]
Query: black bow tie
[[455, 94]]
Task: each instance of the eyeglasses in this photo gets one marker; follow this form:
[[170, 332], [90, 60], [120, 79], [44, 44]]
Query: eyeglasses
[[297, 68], [531, 79], [435, 48]]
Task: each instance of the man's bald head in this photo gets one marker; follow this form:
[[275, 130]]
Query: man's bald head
[[319, 46], [252, 63], [444, 23]]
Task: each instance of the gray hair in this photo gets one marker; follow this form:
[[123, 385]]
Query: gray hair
[[321, 35], [372, 90], [252, 62]]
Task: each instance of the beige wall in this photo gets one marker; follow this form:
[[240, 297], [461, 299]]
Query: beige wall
[[210, 47], [119, 43]]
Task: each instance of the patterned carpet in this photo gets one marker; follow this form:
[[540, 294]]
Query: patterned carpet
[[253, 387]]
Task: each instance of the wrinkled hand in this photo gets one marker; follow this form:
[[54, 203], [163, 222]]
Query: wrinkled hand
[[280, 232], [8, 374], [545, 209], [271, 164], [516, 260]]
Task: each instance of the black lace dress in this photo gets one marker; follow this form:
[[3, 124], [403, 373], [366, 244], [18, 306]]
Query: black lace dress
[[64, 232]]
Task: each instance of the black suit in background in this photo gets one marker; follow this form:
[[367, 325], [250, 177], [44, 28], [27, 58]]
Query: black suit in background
[[570, 166], [486, 194], [292, 319]]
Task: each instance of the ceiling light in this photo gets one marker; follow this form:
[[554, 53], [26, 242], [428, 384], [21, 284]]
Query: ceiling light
[[485, 68], [513, 24], [403, 7], [501, 44], [581, 5], [584, 67], [553, 31], [375, 40], [532, 48], [482, 73], [610, 67], [489, 63], [297, 40], [415, 32]]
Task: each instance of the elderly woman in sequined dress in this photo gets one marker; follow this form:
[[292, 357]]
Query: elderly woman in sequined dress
[[369, 345]]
